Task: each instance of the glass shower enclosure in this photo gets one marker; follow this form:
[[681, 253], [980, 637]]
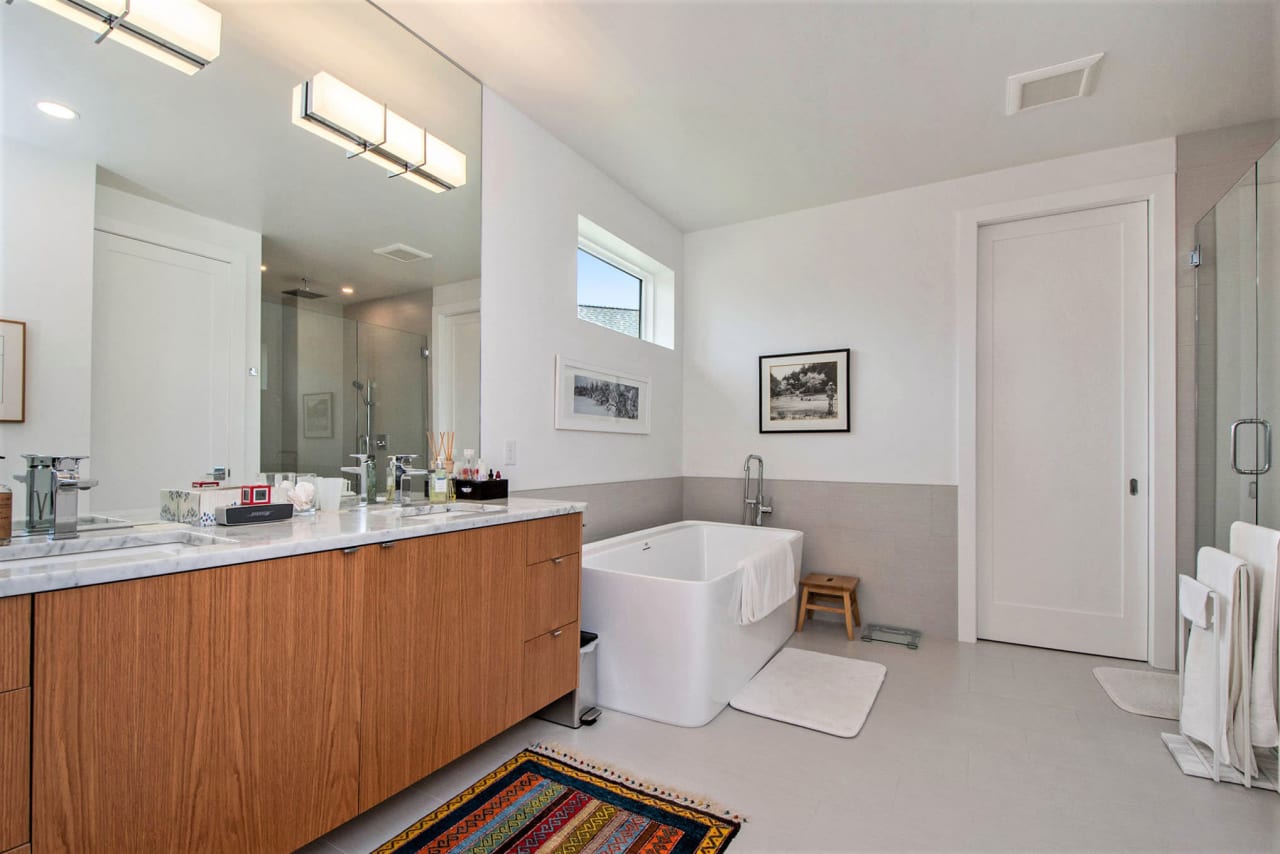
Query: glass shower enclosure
[[1238, 356]]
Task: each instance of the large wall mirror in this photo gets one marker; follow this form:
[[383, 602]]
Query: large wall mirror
[[205, 282]]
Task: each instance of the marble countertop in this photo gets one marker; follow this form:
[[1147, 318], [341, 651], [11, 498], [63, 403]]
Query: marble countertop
[[160, 548]]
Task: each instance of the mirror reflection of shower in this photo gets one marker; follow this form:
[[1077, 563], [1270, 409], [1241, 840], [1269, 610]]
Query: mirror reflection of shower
[[364, 391]]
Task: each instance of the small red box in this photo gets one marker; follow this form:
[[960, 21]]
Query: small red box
[[258, 493], [204, 484]]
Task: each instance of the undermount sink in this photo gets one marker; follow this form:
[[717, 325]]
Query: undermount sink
[[420, 511], [131, 547]]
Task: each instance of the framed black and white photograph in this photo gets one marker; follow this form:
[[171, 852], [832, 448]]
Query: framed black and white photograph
[[599, 399], [13, 370], [317, 415], [805, 392]]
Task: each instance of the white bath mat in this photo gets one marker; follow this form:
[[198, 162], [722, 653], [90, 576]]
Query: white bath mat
[[829, 693], [1141, 692]]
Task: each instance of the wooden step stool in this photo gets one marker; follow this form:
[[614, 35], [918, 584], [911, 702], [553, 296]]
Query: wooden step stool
[[842, 587]]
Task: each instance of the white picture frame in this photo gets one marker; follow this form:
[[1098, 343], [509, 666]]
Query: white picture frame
[[13, 371], [600, 400]]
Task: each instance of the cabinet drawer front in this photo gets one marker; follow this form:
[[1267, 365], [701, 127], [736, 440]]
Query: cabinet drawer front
[[550, 667], [15, 642], [551, 594], [554, 537], [15, 768]]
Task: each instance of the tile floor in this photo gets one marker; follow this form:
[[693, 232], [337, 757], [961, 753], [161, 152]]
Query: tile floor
[[985, 747]]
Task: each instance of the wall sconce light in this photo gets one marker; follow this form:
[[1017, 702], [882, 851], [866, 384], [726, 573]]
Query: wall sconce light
[[183, 34], [332, 110]]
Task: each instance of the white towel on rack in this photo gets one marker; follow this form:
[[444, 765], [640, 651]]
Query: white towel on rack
[[1261, 548], [768, 580], [1194, 602], [1228, 576]]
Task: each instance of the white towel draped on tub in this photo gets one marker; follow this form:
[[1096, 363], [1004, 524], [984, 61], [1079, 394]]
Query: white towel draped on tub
[[1261, 548], [768, 580], [1228, 576]]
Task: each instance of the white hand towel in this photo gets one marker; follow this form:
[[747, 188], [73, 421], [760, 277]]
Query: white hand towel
[[1228, 576], [768, 581], [1194, 602], [1261, 548]]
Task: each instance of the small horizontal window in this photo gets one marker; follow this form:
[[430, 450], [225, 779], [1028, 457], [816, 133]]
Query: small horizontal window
[[623, 289]]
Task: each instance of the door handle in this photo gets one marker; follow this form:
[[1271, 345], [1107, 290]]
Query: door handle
[[1266, 445]]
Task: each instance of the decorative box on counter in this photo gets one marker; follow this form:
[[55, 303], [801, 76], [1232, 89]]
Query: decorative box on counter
[[480, 490], [196, 505]]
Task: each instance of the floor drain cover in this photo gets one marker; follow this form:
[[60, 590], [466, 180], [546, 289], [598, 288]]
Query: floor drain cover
[[910, 638]]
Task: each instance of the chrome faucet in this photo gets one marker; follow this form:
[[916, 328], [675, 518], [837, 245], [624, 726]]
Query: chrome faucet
[[365, 472], [754, 507], [406, 475], [53, 489], [68, 484]]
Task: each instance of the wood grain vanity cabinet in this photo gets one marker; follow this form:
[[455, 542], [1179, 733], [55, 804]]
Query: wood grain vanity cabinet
[[215, 710], [551, 606], [15, 721], [255, 707], [441, 652]]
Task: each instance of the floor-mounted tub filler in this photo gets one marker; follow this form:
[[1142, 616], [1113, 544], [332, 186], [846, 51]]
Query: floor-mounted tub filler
[[665, 602]]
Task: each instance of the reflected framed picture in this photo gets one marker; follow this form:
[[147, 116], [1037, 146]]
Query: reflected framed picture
[[805, 392], [600, 399], [317, 415], [13, 370]]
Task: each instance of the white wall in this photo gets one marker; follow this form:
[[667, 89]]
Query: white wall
[[534, 189], [46, 279], [456, 292], [875, 274]]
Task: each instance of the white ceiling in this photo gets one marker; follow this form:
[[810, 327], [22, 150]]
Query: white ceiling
[[719, 112], [220, 143]]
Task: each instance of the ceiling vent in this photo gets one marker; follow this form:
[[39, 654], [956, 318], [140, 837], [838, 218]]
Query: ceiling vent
[[1061, 82], [404, 254]]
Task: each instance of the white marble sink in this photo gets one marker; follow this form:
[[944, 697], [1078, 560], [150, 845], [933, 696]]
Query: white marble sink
[[421, 511], [136, 545]]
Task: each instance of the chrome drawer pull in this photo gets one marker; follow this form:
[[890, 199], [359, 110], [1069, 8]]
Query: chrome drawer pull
[[557, 633], [386, 545], [351, 551], [557, 560]]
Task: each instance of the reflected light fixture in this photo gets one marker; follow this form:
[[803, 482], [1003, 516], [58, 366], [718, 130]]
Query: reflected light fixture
[[56, 110], [348, 118], [182, 34], [348, 290]]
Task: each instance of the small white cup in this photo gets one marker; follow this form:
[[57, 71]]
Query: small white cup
[[329, 492]]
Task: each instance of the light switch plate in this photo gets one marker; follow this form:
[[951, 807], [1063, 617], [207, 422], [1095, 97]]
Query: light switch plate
[[510, 458]]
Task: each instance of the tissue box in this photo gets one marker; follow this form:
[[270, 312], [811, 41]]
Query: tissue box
[[196, 506], [479, 490]]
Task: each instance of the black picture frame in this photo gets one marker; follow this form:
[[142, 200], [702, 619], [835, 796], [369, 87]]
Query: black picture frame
[[800, 409]]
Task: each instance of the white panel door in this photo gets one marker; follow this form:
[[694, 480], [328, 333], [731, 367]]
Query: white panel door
[[457, 375], [1062, 431], [162, 371]]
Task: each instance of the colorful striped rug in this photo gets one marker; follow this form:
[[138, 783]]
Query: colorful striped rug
[[546, 801]]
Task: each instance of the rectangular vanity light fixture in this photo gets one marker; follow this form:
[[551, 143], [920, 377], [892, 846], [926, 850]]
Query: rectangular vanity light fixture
[[348, 118], [182, 34]]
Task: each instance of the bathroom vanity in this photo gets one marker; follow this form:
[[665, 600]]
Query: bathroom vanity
[[253, 696]]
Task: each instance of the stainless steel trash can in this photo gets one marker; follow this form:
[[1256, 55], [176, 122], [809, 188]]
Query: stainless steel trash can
[[578, 708]]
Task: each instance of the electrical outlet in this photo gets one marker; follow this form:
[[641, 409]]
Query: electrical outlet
[[510, 458]]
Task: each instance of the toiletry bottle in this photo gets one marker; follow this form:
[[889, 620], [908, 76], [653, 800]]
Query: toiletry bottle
[[438, 483], [6, 513], [391, 479]]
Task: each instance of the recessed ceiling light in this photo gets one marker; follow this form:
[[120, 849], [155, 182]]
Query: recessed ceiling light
[[348, 290], [264, 268], [58, 111]]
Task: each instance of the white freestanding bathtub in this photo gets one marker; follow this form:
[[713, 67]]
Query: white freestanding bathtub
[[664, 602]]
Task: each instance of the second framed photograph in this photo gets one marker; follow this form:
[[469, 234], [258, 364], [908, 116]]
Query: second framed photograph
[[805, 392], [599, 399]]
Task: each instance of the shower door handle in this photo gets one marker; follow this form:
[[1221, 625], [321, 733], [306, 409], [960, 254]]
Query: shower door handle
[[1266, 445]]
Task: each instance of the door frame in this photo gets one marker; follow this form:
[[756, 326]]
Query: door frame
[[1162, 363]]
